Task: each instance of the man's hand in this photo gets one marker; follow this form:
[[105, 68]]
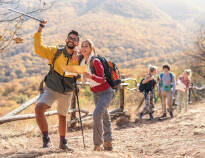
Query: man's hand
[[42, 25], [87, 75]]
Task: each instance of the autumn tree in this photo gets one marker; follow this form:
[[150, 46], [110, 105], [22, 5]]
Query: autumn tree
[[11, 23], [198, 55]]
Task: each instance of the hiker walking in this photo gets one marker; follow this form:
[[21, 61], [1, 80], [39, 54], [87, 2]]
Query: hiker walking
[[59, 85], [103, 95], [182, 87], [166, 89], [149, 83]]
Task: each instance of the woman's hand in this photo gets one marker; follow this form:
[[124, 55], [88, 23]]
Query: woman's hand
[[82, 51], [87, 75]]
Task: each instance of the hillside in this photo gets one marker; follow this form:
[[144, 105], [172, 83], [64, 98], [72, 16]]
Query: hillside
[[182, 136], [125, 31]]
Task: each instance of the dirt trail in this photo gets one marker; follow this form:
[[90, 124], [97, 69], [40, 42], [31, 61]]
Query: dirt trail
[[182, 136]]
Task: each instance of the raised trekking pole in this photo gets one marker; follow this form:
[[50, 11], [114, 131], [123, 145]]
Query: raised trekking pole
[[25, 14], [81, 124]]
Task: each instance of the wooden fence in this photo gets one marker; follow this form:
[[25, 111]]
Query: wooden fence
[[13, 115]]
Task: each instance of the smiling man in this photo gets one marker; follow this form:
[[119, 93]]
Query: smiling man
[[59, 85]]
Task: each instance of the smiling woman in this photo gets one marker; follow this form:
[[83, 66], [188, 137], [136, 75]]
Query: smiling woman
[[103, 95]]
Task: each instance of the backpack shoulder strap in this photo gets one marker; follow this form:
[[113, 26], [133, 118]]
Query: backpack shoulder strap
[[161, 75], [91, 65], [160, 79], [171, 76], [57, 54], [91, 60]]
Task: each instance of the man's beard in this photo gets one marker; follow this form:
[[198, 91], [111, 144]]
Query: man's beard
[[70, 47]]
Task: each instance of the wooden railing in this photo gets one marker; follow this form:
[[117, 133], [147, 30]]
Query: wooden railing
[[13, 115]]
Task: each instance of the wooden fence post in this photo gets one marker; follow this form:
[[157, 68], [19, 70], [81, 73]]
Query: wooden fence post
[[122, 98], [122, 95]]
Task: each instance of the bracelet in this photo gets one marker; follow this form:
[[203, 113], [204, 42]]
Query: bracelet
[[41, 25]]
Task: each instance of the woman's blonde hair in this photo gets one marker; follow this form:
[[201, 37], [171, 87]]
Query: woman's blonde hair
[[188, 71], [151, 68], [91, 44]]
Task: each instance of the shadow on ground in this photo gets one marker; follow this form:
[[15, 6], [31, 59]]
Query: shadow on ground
[[30, 154], [124, 122]]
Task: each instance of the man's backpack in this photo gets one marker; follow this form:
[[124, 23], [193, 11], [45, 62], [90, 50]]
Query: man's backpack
[[56, 55], [59, 51], [161, 81], [170, 74], [111, 71]]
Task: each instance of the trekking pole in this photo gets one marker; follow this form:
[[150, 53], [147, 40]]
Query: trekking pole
[[140, 104], [81, 124], [25, 14], [142, 101]]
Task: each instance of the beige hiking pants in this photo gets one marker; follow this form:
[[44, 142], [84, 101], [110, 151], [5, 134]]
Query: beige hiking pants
[[182, 100], [166, 99]]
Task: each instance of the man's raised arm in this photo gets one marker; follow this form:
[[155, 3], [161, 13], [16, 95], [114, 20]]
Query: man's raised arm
[[41, 50]]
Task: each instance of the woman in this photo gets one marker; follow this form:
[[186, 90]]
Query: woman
[[103, 95], [182, 95], [150, 83]]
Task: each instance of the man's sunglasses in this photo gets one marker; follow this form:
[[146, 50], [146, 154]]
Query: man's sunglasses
[[72, 39]]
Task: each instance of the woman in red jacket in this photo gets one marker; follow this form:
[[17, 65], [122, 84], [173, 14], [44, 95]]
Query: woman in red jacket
[[103, 95]]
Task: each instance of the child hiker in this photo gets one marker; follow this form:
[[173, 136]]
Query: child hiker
[[166, 89]]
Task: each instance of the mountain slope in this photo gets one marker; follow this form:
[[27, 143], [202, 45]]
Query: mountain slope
[[123, 31]]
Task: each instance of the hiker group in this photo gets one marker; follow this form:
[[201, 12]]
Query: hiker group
[[167, 89], [103, 78]]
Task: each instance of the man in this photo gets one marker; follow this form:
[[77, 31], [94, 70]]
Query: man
[[166, 89], [59, 85]]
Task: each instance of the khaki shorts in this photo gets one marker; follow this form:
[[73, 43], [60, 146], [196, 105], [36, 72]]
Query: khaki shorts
[[51, 97]]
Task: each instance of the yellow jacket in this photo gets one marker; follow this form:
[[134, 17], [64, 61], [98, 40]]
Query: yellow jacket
[[48, 52]]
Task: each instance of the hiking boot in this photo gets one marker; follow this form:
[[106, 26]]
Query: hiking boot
[[97, 148], [171, 115], [46, 141], [151, 116], [164, 115], [64, 145], [140, 116], [107, 146]]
